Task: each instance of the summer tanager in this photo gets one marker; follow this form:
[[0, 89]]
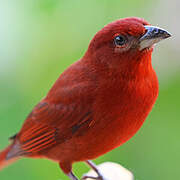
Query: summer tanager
[[98, 103]]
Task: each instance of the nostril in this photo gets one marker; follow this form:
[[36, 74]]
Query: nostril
[[155, 31]]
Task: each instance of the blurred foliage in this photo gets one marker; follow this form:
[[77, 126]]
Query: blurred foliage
[[41, 38]]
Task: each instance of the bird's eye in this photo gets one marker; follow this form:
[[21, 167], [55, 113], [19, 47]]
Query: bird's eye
[[119, 40]]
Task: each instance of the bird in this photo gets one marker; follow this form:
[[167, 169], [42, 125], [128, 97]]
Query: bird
[[98, 103]]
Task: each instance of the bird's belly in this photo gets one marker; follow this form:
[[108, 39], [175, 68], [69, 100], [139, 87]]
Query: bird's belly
[[114, 129], [108, 139]]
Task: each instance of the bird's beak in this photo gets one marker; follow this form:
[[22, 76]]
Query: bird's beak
[[152, 36]]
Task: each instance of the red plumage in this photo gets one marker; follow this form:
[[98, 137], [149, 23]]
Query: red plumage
[[4, 161], [97, 104]]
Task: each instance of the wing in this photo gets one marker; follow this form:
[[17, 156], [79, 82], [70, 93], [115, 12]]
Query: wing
[[65, 112], [50, 124]]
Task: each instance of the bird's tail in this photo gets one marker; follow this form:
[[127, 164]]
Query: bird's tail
[[4, 159]]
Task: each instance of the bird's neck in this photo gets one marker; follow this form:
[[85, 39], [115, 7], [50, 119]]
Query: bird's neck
[[129, 66], [140, 65]]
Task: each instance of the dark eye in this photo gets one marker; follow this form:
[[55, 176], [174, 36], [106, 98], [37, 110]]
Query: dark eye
[[119, 40]]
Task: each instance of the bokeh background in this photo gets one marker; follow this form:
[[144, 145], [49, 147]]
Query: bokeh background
[[39, 39]]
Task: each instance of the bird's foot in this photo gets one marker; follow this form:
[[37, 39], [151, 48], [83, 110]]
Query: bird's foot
[[94, 167], [91, 177]]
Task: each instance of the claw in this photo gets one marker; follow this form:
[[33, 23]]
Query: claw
[[94, 167], [91, 177]]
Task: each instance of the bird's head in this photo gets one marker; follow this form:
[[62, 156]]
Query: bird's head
[[125, 39]]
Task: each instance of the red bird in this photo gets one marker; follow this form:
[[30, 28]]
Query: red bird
[[98, 103]]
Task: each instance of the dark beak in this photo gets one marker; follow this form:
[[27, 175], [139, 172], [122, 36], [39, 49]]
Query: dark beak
[[152, 36]]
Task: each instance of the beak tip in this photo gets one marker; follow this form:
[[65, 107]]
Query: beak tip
[[167, 35]]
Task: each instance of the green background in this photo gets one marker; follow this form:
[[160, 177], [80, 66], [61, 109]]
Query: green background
[[39, 39]]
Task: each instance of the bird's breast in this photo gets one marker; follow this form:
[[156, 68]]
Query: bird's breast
[[123, 108]]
